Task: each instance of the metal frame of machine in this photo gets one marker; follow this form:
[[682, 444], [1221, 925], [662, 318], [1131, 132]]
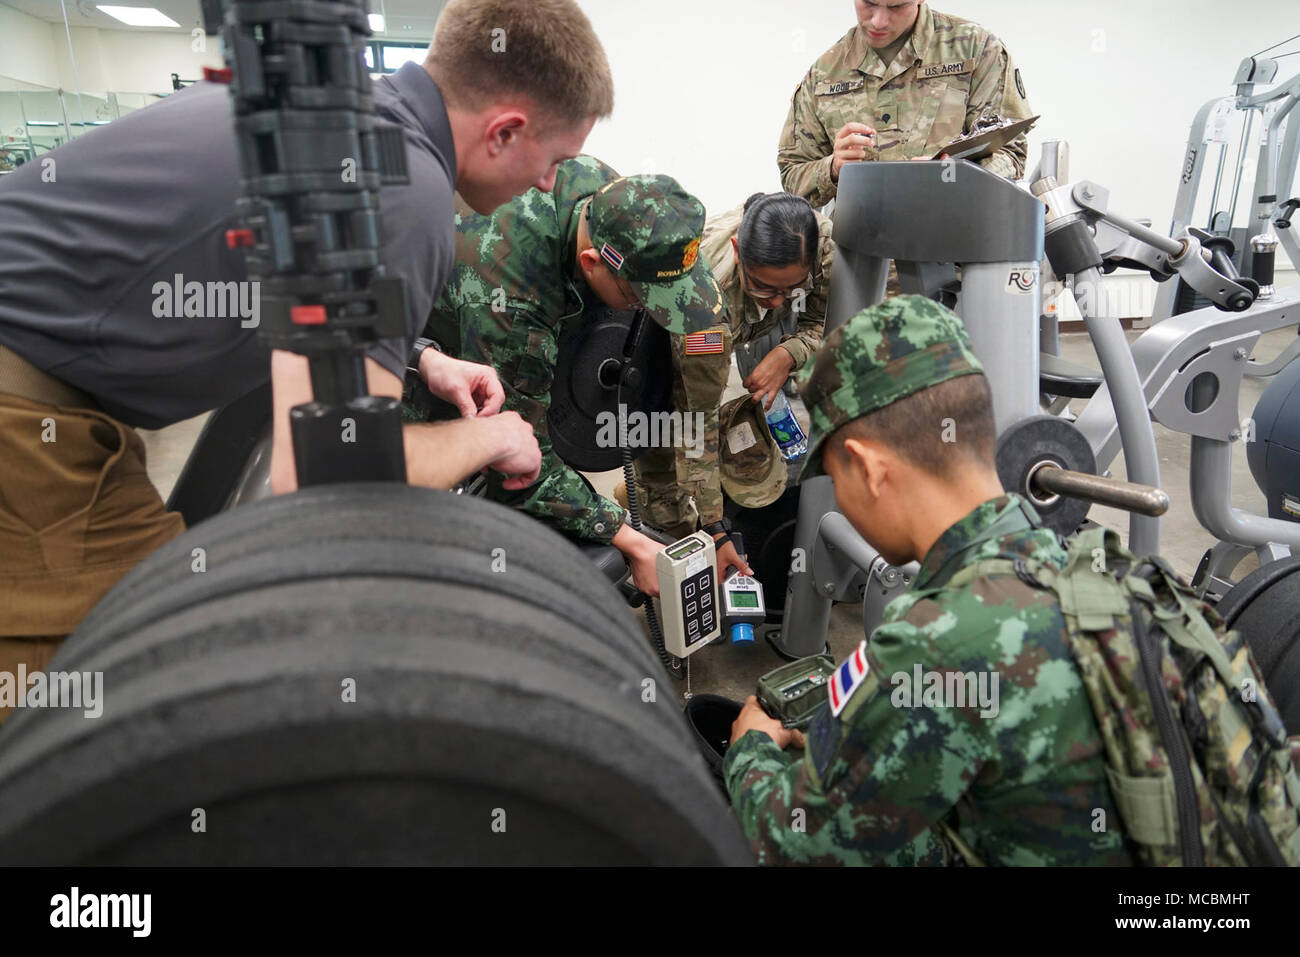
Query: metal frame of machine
[[1275, 171], [1185, 372]]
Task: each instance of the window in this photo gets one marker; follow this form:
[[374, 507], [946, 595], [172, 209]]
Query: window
[[395, 55]]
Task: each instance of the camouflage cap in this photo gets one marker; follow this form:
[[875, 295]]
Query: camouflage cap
[[647, 229], [883, 354], [753, 472]]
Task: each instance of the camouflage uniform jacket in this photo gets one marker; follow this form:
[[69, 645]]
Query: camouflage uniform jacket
[[1023, 786], [701, 379], [512, 293], [937, 86]]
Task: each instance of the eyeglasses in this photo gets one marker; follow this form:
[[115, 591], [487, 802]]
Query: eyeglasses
[[763, 292]]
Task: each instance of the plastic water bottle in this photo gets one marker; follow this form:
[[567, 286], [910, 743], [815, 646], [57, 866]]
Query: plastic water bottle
[[783, 425]]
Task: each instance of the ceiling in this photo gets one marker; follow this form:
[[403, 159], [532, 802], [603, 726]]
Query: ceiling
[[405, 19]]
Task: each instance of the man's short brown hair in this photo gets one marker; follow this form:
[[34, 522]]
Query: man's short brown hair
[[941, 430], [546, 50]]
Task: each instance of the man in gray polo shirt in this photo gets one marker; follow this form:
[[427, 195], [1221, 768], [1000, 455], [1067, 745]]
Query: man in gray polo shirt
[[100, 240]]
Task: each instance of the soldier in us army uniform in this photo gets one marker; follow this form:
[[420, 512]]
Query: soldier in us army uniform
[[892, 773], [901, 85], [772, 259], [529, 270]]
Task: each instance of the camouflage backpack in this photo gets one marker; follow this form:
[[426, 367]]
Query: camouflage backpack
[[1202, 771]]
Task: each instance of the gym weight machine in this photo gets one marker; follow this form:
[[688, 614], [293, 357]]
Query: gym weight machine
[[1251, 247], [1185, 372]]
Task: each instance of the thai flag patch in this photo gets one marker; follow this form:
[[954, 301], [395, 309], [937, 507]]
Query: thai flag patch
[[848, 678], [704, 344], [611, 256]]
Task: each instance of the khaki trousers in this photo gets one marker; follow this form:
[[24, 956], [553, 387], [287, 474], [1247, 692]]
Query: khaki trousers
[[77, 512]]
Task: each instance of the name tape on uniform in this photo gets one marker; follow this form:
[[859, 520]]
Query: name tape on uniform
[[955, 68]]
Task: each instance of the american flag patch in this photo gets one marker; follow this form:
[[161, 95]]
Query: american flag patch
[[848, 678], [704, 343], [611, 256]]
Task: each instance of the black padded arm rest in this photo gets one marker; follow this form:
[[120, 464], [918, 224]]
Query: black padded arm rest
[[1059, 376]]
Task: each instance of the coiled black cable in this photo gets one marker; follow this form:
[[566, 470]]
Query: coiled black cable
[[633, 507]]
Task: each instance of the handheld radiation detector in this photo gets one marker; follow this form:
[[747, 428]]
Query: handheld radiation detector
[[688, 594]]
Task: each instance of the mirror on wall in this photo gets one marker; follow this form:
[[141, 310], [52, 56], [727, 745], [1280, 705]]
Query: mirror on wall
[[73, 54], [35, 121]]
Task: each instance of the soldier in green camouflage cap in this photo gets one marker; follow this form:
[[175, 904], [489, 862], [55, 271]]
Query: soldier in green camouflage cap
[[647, 230], [530, 270], [879, 357], [963, 721], [902, 84]]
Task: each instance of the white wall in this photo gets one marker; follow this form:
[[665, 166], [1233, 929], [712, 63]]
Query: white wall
[[702, 86], [139, 61], [35, 53], [26, 51]]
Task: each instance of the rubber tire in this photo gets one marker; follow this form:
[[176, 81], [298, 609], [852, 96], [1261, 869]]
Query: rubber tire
[[479, 693], [1265, 607]]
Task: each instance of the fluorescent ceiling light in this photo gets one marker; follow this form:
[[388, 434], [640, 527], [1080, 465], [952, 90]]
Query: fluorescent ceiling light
[[138, 16], [377, 22]]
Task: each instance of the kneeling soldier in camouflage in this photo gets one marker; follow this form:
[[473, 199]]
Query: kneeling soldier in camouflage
[[898, 769], [526, 273]]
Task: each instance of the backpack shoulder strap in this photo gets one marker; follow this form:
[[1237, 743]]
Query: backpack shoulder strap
[[949, 834], [1087, 587], [1181, 619]]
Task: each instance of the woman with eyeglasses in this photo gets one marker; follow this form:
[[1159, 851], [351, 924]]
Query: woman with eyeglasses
[[772, 260]]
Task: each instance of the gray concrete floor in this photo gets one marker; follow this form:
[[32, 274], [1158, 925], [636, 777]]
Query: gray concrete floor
[[733, 670]]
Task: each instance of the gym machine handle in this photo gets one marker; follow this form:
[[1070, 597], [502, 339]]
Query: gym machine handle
[[1221, 250], [1205, 264], [1201, 259], [1050, 479], [1286, 211]]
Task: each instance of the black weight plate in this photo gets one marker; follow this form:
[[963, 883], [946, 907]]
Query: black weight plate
[[1265, 607], [579, 397], [1042, 438]]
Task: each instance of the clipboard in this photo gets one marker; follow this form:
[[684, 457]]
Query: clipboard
[[986, 140]]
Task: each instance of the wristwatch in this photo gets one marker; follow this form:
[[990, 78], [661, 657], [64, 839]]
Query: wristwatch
[[417, 350], [722, 528]]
